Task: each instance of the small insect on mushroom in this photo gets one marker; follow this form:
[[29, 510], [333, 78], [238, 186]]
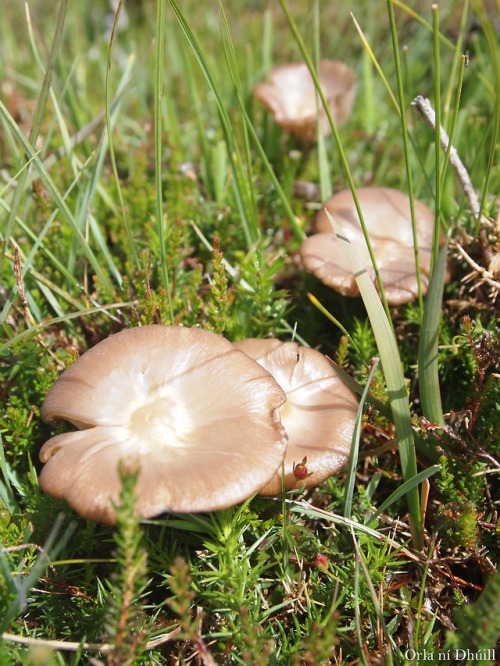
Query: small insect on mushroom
[[300, 470], [318, 415]]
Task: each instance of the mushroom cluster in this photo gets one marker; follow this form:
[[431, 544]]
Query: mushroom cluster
[[290, 95], [387, 216], [205, 421], [197, 415]]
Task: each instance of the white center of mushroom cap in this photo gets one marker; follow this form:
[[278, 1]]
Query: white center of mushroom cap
[[161, 422], [298, 107]]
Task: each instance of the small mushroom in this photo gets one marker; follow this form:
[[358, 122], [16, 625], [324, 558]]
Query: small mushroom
[[388, 221], [196, 415], [290, 95], [318, 415]]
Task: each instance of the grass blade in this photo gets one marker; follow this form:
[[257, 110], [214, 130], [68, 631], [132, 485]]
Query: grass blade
[[340, 148], [112, 156], [249, 222], [428, 368], [158, 95], [437, 156], [406, 146], [325, 182], [58, 198], [37, 121], [353, 458], [395, 381], [492, 41], [403, 489], [58, 320]]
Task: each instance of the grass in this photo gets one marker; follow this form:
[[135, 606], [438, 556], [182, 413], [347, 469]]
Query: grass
[[141, 183]]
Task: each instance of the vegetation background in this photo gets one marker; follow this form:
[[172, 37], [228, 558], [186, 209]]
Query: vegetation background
[[126, 149]]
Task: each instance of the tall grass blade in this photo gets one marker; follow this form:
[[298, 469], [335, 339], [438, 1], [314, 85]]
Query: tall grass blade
[[375, 62], [406, 146], [395, 381], [317, 304], [206, 151], [58, 320], [413, 13], [375, 601], [403, 489], [488, 28], [236, 162], [387, 86], [353, 458], [58, 198], [456, 59], [446, 161], [428, 366], [342, 156], [294, 221], [247, 184], [305, 509], [36, 124], [158, 95], [325, 182], [437, 133], [112, 155]]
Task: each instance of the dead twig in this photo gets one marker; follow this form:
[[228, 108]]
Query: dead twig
[[424, 107], [72, 646]]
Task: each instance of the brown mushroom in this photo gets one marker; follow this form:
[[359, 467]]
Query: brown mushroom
[[388, 221], [195, 414], [318, 415], [290, 95]]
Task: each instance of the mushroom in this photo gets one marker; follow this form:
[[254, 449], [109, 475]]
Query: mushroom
[[318, 415], [196, 415], [290, 95], [388, 221]]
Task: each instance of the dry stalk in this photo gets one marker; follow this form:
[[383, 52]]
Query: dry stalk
[[424, 107]]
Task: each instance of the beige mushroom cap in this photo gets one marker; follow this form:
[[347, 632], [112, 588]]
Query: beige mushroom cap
[[387, 216], [290, 95], [318, 415], [197, 415]]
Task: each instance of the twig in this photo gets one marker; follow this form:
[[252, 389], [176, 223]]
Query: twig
[[486, 276], [423, 105], [94, 647]]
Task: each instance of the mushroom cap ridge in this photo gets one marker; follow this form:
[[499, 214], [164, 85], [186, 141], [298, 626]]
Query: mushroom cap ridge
[[318, 416], [386, 212], [197, 415]]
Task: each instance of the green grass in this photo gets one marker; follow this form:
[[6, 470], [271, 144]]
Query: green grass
[[141, 183]]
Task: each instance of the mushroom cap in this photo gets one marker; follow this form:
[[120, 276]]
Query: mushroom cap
[[290, 95], [387, 216], [198, 416], [318, 416]]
